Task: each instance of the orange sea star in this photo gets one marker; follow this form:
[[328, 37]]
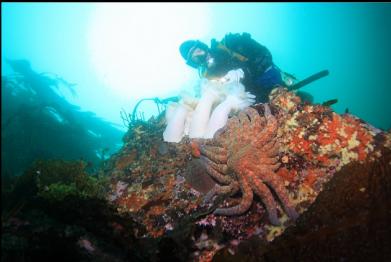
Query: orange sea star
[[243, 156]]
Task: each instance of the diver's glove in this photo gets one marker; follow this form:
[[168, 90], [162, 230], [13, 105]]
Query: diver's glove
[[233, 76]]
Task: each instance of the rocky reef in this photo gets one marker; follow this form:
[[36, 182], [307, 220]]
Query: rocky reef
[[335, 169], [282, 181]]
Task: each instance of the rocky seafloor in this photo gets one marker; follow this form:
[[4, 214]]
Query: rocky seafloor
[[147, 203], [337, 169]]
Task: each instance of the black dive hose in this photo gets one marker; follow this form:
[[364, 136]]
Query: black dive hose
[[309, 80]]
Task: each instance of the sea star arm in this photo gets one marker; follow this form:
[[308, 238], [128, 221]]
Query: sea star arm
[[277, 184], [266, 196], [230, 189], [245, 202], [244, 120], [265, 158], [255, 119], [214, 153], [215, 171], [270, 129]]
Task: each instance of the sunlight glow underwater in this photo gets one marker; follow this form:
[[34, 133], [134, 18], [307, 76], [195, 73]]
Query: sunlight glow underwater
[[131, 46]]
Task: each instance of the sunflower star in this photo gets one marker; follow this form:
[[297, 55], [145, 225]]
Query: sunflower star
[[243, 156]]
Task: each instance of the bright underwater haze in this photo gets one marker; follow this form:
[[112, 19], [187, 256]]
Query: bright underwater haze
[[119, 53]]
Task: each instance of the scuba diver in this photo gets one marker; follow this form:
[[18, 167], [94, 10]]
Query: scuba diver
[[235, 51]]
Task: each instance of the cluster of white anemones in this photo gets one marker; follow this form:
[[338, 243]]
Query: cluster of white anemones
[[201, 117]]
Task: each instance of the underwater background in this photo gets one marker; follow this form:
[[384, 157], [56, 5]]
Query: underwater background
[[86, 173], [351, 40]]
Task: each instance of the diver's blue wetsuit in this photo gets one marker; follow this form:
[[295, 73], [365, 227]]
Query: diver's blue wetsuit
[[269, 78], [266, 82]]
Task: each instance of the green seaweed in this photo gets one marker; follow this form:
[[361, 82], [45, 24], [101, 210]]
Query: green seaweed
[[39, 123]]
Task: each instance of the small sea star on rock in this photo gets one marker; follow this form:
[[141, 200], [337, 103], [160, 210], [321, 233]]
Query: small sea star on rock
[[244, 156]]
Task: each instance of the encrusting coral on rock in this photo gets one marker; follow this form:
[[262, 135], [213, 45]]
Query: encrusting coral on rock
[[285, 152]]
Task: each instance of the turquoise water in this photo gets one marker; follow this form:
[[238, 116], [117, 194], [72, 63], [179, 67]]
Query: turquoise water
[[351, 40]]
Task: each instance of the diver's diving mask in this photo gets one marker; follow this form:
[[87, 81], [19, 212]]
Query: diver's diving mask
[[198, 56]]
